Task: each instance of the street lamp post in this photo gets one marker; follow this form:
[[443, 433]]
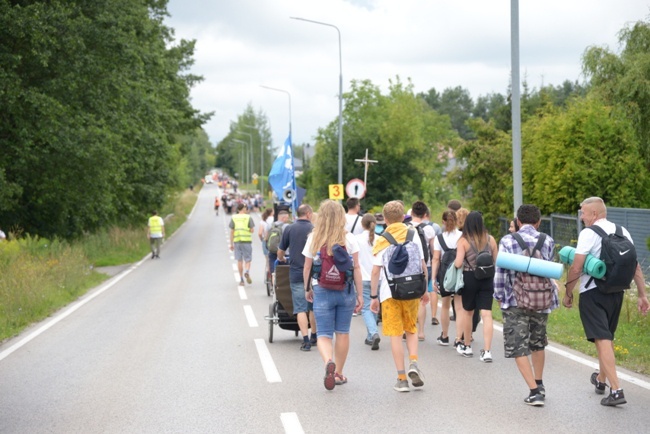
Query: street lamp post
[[243, 158], [250, 159], [340, 178], [288, 95], [261, 159]]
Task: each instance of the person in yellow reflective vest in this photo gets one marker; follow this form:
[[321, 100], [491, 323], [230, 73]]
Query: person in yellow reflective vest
[[241, 239], [155, 233]]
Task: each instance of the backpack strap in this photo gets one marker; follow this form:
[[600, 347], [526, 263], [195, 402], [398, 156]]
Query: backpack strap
[[524, 245], [409, 237], [355, 224], [389, 238], [601, 233], [442, 242]]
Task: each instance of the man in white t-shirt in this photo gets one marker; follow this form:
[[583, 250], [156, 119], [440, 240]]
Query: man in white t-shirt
[[599, 311], [353, 218]]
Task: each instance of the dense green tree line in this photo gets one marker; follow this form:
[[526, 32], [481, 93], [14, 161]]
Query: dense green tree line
[[96, 126]]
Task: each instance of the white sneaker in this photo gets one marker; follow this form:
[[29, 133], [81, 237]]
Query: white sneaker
[[465, 350], [486, 356]]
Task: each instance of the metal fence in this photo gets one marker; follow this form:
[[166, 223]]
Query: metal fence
[[564, 229]]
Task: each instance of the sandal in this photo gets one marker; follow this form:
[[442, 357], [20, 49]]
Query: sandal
[[330, 379], [339, 379]]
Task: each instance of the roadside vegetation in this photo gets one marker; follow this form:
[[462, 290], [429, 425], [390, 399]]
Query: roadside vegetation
[[40, 276]]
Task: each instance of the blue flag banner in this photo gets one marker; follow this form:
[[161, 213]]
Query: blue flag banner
[[281, 176]]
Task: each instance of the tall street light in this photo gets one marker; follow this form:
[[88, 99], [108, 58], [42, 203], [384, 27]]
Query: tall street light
[[250, 159], [340, 179], [516, 105], [261, 159], [289, 95], [243, 158]]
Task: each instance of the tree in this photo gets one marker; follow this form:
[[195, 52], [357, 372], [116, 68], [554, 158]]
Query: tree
[[624, 80], [233, 155], [94, 95], [399, 129], [587, 149], [485, 171], [454, 102]]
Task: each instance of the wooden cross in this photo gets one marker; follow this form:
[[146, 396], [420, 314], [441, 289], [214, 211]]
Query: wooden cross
[[366, 162]]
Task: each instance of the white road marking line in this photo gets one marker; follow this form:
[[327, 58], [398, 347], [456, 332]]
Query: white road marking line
[[234, 268], [271, 372], [291, 423], [71, 309], [242, 292], [250, 316], [237, 279]]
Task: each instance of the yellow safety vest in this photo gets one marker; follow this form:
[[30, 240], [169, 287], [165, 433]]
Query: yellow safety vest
[[155, 225], [242, 231]]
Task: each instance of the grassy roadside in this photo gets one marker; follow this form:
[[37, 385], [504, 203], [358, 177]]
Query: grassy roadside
[[40, 276], [632, 336]]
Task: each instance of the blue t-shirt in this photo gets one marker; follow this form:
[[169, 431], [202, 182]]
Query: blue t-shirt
[[293, 242]]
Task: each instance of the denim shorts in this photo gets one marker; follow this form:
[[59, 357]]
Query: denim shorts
[[333, 310], [300, 304]]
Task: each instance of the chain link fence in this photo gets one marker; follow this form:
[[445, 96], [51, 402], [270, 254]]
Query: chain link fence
[[564, 229]]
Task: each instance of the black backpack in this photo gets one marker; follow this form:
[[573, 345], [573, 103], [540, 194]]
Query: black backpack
[[448, 256], [484, 263], [619, 255], [423, 240]]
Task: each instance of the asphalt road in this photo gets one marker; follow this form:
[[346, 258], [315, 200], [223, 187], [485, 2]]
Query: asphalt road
[[173, 345]]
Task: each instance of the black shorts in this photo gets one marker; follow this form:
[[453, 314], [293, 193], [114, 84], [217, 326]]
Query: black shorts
[[477, 294], [599, 313]]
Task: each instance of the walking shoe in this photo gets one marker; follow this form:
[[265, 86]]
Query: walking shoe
[[313, 340], [600, 387], [330, 380], [486, 356], [542, 390], [457, 344], [306, 346], [415, 375], [241, 282], [248, 278], [615, 397], [402, 386], [442, 341], [465, 350], [153, 255], [375, 342], [536, 400], [434, 321]]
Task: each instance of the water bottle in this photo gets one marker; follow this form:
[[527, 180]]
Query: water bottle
[[317, 264]]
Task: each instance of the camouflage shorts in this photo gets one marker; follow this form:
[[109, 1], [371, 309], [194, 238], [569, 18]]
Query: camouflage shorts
[[523, 332]]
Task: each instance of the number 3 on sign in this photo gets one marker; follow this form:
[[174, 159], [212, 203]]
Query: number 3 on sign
[[336, 191]]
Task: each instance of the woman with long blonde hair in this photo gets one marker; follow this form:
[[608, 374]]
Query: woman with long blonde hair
[[330, 244], [366, 241]]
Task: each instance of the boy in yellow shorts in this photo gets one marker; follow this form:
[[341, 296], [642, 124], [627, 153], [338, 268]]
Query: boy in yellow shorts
[[398, 316]]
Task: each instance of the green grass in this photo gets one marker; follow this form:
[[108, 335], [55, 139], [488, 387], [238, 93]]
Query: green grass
[[632, 336], [39, 276]]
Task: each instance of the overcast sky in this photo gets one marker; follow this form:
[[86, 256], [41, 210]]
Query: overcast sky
[[242, 44]]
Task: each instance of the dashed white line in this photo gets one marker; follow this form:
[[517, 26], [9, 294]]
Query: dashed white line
[[291, 423], [270, 371], [242, 292], [250, 316]]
